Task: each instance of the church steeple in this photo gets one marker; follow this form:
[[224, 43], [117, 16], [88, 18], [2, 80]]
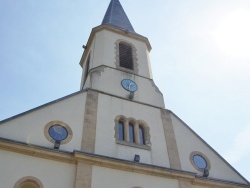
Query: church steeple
[[116, 16], [115, 53]]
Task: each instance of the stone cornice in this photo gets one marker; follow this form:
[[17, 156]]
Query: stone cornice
[[114, 163], [36, 151], [131, 166]]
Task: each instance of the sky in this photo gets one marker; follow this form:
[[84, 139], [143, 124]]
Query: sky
[[200, 60]]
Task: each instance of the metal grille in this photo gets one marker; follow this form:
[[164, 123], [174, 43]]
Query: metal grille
[[126, 55]]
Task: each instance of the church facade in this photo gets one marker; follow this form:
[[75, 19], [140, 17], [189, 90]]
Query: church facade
[[114, 132]]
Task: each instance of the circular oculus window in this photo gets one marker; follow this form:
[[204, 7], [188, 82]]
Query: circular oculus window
[[199, 161], [58, 131]]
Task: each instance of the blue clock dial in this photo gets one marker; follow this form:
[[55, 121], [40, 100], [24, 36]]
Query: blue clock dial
[[58, 132], [129, 85]]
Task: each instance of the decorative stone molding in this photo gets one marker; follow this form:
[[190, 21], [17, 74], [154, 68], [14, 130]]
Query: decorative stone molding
[[29, 181], [67, 127], [173, 153], [185, 183], [83, 177], [134, 56], [97, 70], [112, 163], [136, 124], [89, 124]]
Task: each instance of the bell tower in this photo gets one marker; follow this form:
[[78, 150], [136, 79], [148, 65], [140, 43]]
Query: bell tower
[[116, 60]]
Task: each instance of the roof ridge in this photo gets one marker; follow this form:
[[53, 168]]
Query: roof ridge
[[111, 11]]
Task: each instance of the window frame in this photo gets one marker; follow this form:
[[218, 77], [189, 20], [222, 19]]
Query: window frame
[[135, 69], [141, 135], [191, 158], [136, 141], [56, 122], [126, 55], [28, 179], [122, 129], [131, 132]]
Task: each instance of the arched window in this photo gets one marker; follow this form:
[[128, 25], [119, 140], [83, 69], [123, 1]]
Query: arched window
[[131, 133], [121, 130], [28, 182], [141, 135], [126, 55]]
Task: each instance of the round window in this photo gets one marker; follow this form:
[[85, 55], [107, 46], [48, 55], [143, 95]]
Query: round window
[[57, 131], [199, 161]]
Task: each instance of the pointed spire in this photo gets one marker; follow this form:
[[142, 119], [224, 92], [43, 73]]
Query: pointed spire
[[116, 16]]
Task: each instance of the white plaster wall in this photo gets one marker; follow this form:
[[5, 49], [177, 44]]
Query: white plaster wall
[[110, 178], [91, 53], [109, 81], [29, 128], [188, 142], [54, 174], [108, 108], [104, 51], [149, 64], [83, 72]]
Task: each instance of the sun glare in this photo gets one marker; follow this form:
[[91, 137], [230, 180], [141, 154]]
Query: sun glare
[[233, 34]]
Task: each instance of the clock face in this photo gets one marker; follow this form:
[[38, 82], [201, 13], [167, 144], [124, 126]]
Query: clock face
[[58, 132], [129, 85]]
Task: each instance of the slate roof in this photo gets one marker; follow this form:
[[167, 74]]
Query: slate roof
[[116, 16]]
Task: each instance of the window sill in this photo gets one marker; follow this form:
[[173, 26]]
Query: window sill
[[146, 147], [127, 70]]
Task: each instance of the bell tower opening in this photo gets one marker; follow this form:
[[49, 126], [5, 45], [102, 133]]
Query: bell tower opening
[[126, 55]]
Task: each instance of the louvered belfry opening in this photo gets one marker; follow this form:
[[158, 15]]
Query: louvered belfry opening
[[126, 55]]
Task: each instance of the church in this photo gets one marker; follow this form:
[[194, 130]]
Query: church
[[114, 132]]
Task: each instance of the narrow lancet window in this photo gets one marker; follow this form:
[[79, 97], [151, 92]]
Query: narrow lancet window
[[141, 135], [121, 130], [131, 133]]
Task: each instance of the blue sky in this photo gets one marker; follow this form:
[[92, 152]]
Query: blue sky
[[200, 60]]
